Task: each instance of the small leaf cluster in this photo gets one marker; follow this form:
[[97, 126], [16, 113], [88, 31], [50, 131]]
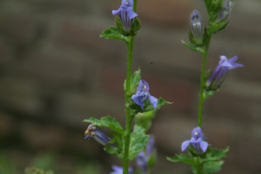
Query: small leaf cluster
[[214, 8], [208, 162], [138, 138], [118, 32]]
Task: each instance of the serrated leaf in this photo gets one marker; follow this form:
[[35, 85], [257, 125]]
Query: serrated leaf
[[138, 141], [148, 106], [118, 142], [216, 154], [192, 47], [106, 122], [182, 158], [134, 81], [113, 33], [212, 167]]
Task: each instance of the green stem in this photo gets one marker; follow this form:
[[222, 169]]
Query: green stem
[[127, 109], [127, 100], [202, 81]]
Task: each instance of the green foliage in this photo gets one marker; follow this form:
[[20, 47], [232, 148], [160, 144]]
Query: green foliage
[[194, 40], [144, 119], [192, 47], [182, 158], [106, 122], [43, 161], [213, 8], [148, 106], [152, 159], [208, 162], [134, 81], [118, 141], [138, 141], [215, 27], [33, 170], [113, 33]]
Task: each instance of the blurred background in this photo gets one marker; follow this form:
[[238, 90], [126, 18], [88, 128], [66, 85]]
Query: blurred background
[[55, 71]]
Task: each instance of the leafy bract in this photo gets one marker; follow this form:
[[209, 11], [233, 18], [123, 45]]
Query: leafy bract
[[113, 33], [138, 141], [108, 122], [135, 79], [182, 158]]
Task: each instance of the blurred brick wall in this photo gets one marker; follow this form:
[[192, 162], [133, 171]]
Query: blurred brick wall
[[55, 68]]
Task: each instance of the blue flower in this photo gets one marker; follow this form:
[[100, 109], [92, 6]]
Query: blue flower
[[94, 132], [119, 170], [126, 14], [196, 141], [143, 94], [218, 75], [196, 26], [225, 11], [142, 158]]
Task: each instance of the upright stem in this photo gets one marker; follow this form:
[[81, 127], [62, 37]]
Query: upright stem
[[202, 82], [127, 100], [127, 109]]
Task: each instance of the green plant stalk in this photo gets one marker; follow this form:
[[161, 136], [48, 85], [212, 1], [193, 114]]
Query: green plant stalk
[[127, 109], [129, 118], [202, 81]]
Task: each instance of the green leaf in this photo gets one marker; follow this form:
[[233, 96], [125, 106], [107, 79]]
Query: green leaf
[[152, 160], [106, 122], [212, 167], [117, 141], [148, 106], [216, 154], [144, 119], [134, 81], [192, 47], [113, 33], [138, 141], [182, 158]]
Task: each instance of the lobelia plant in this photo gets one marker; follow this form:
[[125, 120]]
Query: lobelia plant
[[128, 143], [133, 142], [202, 157]]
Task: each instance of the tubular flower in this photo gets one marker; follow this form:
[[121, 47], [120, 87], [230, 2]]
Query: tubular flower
[[196, 141], [94, 132], [126, 14], [196, 26], [119, 170], [143, 94], [225, 11], [218, 75]]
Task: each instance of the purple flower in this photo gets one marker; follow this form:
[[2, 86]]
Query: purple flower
[[218, 75], [196, 141], [143, 94], [119, 170], [94, 132], [196, 26], [142, 158], [225, 11], [126, 14]]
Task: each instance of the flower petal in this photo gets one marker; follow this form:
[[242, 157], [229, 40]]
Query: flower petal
[[114, 12], [222, 60], [203, 145], [142, 162], [140, 86], [153, 101], [184, 145], [150, 144], [131, 13], [137, 98], [232, 60], [147, 85]]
